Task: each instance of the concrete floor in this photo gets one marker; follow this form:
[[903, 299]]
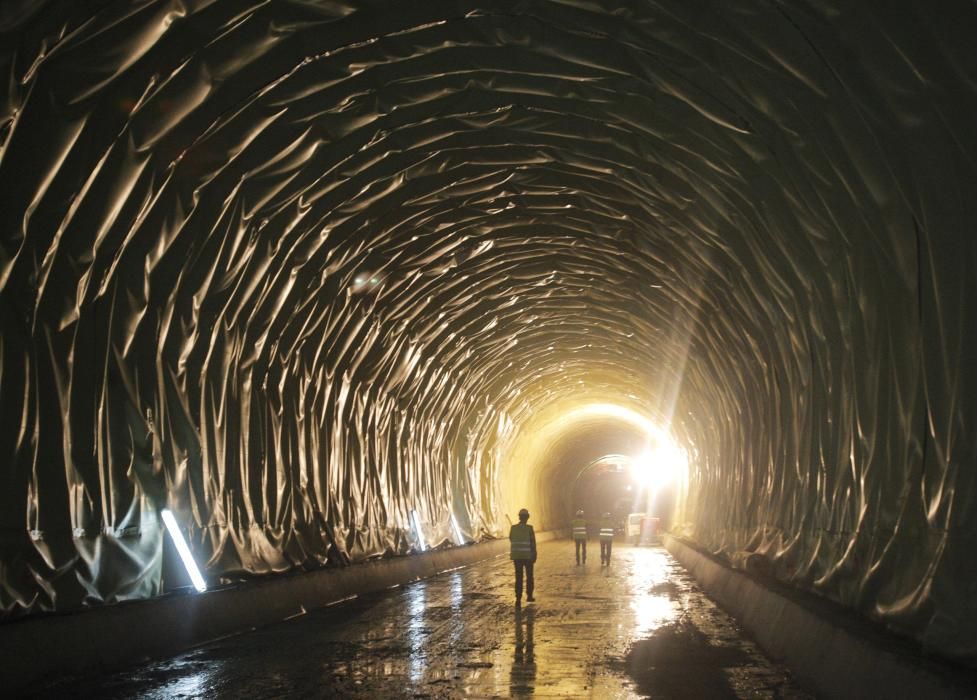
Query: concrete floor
[[640, 628]]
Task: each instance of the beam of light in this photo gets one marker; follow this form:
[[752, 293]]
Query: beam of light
[[454, 524], [417, 529], [184, 550]]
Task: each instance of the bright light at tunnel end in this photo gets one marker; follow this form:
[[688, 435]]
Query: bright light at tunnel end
[[656, 468], [184, 550], [663, 463]]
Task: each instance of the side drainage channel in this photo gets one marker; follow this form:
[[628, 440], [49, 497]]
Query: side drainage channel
[[831, 653]]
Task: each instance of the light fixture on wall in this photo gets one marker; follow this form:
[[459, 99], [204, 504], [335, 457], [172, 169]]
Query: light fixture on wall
[[417, 529], [184, 550], [454, 523]]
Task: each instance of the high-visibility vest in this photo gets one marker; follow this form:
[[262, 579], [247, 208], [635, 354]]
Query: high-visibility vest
[[606, 529], [521, 541], [579, 526]]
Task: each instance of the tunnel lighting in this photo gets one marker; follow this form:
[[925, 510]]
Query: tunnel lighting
[[365, 280], [415, 521], [454, 524], [184, 550], [658, 467]]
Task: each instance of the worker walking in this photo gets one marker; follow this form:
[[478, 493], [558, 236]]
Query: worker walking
[[606, 539], [522, 551], [579, 529]]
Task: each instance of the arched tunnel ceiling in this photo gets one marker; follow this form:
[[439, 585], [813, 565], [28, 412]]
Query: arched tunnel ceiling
[[295, 269]]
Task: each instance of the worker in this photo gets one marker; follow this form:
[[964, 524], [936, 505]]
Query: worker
[[579, 529], [522, 551], [606, 539]]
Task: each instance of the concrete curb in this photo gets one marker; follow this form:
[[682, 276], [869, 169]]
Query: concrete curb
[[832, 660], [103, 639]]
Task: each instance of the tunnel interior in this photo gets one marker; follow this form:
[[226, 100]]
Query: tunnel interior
[[305, 273]]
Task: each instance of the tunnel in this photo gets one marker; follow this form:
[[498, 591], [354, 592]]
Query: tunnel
[[334, 282]]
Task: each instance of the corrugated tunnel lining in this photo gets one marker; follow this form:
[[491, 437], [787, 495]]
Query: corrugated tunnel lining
[[297, 269]]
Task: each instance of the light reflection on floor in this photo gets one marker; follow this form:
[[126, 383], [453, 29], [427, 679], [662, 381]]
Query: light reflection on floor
[[195, 685], [652, 609], [460, 635], [416, 630]]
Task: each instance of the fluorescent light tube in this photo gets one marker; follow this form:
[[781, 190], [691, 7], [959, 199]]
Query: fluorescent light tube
[[184, 550], [461, 537], [417, 529]]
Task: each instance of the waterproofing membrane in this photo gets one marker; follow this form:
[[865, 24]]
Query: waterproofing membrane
[[296, 269]]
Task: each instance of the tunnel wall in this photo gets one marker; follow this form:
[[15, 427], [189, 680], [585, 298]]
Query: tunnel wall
[[296, 269]]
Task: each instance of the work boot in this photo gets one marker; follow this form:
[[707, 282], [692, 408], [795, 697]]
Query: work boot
[[530, 599]]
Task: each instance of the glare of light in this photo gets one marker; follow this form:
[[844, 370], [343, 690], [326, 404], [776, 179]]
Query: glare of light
[[454, 524], [359, 280], [417, 529], [184, 550], [658, 467]]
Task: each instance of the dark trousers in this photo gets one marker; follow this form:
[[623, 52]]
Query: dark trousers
[[581, 546], [522, 564], [605, 550]]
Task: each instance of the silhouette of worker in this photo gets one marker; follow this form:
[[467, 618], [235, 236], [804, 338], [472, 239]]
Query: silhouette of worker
[[579, 529], [606, 539], [522, 551]]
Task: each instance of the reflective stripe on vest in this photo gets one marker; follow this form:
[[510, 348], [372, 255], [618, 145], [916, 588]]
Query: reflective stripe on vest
[[606, 531], [520, 542], [579, 529]]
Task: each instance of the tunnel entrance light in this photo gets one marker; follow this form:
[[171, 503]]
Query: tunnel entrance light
[[415, 521], [454, 524], [184, 550]]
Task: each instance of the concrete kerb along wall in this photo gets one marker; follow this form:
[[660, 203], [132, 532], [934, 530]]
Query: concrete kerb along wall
[[830, 653], [114, 636]]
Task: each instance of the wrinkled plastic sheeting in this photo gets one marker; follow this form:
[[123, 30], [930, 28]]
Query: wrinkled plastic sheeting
[[294, 269]]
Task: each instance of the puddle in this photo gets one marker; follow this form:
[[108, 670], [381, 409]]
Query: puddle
[[669, 588], [679, 662]]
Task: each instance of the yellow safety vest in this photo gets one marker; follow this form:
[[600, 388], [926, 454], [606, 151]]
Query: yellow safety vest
[[579, 526], [606, 530], [521, 541]]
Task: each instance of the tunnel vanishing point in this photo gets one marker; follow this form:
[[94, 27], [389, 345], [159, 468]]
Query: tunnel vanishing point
[[333, 281]]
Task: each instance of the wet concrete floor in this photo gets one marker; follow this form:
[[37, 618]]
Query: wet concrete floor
[[638, 628]]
